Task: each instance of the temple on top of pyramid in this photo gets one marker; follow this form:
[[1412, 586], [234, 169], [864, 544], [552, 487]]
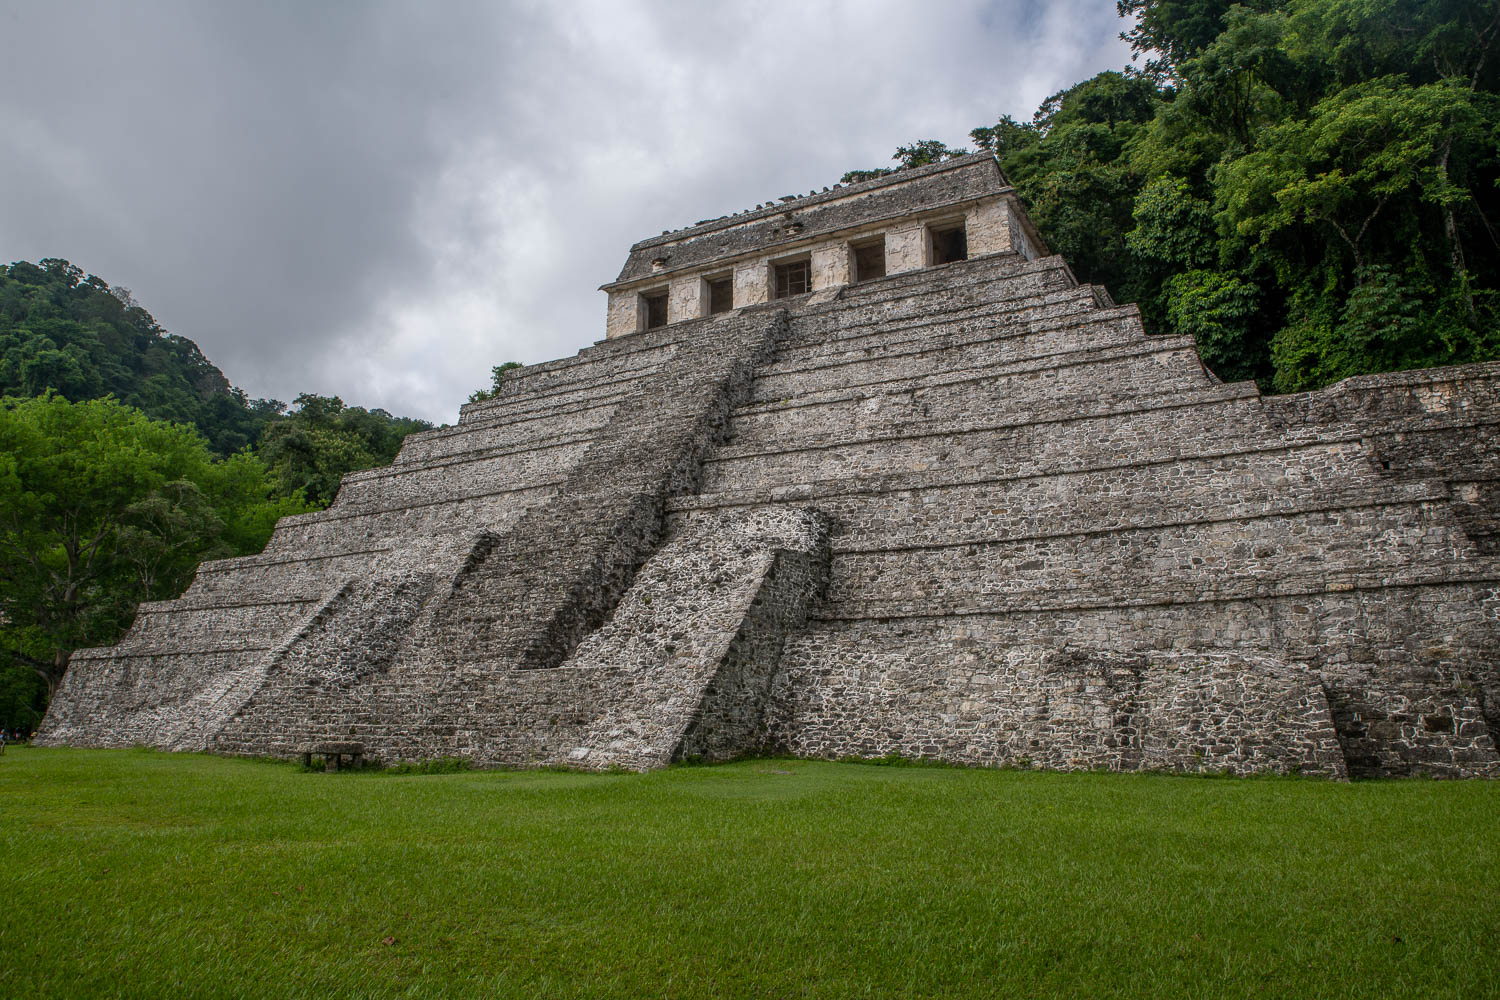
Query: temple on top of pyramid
[[858, 474], [907, 220]]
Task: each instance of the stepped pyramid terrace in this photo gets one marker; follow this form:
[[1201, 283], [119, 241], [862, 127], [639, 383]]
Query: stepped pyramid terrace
[[861, 473]]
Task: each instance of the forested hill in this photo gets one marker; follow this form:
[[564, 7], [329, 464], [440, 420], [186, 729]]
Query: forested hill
[[74, 334], [1309, 188], [71, 334]]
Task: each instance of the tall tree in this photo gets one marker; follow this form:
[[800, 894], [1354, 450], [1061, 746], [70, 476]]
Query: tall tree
[[102, 507], [1072, 166], [312, 448]]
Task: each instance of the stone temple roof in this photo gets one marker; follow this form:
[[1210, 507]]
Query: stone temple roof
[[794, 220]]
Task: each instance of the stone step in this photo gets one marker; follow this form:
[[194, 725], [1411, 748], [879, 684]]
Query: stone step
[[1082, 688], [1072, 354], [477, 473], [811, 345], [982, 346], [643, 353], [645, 350], [1454, 452], [1374, 546], [692, 640], [524, 406], [182, 626], [269, 579], [893, 286], [556, 387], [992, 280], [1054, 440], [1205, 489], [1369, 587], [456, 441], [1263, 458], [331, 533], [998, 392], [1421, 398], [117, 699], [595, 376], [588, 367], [1328, 631], [986, 292]]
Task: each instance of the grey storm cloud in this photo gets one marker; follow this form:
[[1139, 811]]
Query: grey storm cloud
[[382, 200]]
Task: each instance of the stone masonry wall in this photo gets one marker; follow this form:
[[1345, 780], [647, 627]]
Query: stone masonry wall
[[1061, 541], [694, 646], [1057, 708]]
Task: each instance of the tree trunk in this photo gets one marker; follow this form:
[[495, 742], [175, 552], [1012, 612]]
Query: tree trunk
[[54, 677], [1450, 232]]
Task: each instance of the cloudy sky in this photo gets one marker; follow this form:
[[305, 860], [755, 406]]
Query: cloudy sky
[[381, 200]]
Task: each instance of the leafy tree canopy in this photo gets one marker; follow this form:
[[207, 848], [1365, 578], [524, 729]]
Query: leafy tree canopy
[[497, 379], [75, 335], [310, 449], [1309, 188], [100, 508]]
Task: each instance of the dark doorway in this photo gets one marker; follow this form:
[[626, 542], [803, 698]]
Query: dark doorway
[[869, 260], [656, 309], [720, 295], [793, 279], [949, 245]]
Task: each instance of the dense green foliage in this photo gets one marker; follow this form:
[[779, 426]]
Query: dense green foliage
[[181, 875], [100, 508], [497, 379], [1306, 187], [82, 339], [311, 448], [125, 459]]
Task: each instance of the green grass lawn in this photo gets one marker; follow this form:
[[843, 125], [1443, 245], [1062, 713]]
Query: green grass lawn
[[131, 873]]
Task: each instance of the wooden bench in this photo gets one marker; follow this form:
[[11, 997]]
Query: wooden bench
[[333, 754]]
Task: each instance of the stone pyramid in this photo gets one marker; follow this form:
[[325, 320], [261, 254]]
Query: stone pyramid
[[865, 473]]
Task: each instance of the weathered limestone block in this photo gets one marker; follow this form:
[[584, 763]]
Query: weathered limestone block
[[623, 315], [905, 249], [831, 266], [1021, 240], [1233, 713], [696, 641], [752, 283], [356, 633], [687, 298], [1064, 708], [988, 228]]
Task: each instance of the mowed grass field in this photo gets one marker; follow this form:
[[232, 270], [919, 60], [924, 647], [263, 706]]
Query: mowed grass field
[[139, 874]]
